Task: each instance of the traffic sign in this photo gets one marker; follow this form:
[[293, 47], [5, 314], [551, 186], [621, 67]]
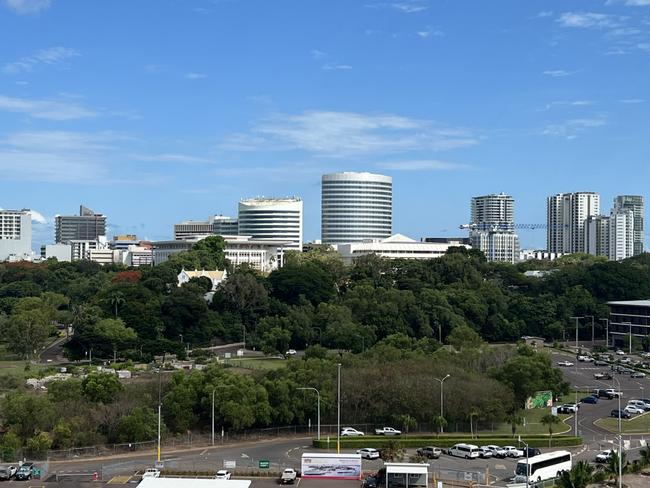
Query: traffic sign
[[264, 464]]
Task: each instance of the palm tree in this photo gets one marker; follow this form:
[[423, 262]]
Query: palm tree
[[550, 421], [116, 299], [440, 423], [474, 412], [645, 456], [580, 476], [611, 468]]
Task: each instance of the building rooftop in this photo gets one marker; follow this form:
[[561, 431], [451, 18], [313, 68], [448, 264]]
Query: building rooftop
[[632, 303]]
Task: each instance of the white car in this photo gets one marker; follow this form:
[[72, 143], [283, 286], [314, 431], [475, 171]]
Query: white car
[[291, 352], [223, 474], [633, 410], [585, 359], [513, 452], [151, 473], [350, 432], [484, 452], [637, 374], [604, 456], [368, 453], [497, 451], [565, 363], [620, 353]]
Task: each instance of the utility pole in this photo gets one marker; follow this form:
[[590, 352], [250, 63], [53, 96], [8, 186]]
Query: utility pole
[[338, 413], [592, 328], [577, 319], [606, 331]]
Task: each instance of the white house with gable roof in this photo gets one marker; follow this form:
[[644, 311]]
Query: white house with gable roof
[[216, 276]]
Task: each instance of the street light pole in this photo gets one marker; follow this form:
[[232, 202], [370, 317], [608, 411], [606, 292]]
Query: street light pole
[[214, 390], [577, 318], [620, 436], [606, 331], [629, 324], [442, 399], [244, 328], [338, 413], [318, 405], [592, 328]]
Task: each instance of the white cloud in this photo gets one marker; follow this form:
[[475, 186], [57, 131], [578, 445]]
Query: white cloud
[[423, 165], [545, 13], [336, 66], [631, 3], [430, 32], [586, 20], [644, 46], [45, 109], [410, 6], [342, 134], [569, 103], [558, 73], [50, 56], [632, 100], [27, 6], [38, 217], [195, 76], [172, 158], [573, 128], [316, 54]]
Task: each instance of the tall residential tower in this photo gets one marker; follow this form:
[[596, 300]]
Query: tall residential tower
[[635, 204], [356, 207], [492, 227], [567, 215]]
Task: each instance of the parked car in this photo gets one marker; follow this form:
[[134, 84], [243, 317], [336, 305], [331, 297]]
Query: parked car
[[532, 451], [620, 353], [288, 476], [484, 453], [7, 472], [602, 376], [604, 456], [25, 472], [565, 363], [572, 407], [637, 374], [351, 432], [369, 481], [600, 362], [513, 452], [620, 414], [387, 431], [368, 453], [600, 393], [584, 358], [151, 473], [497, 451], [590, 399], [633, 410], [640, 404], [429, 452], [291, 352], [614, 393], [223, 474]]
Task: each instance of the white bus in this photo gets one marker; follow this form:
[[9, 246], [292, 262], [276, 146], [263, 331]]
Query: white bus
[[467, 451], [543, 467]]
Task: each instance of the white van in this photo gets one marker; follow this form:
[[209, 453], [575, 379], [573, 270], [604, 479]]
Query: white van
[[467, 451]]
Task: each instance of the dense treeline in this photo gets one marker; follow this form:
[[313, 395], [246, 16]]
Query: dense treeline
[[312, 299], [393, 383]]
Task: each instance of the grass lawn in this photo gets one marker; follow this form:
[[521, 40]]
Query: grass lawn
[[638, 424], [532, 425], [264, 364]]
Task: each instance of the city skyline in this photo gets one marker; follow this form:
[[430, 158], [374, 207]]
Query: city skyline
[[450, 99]]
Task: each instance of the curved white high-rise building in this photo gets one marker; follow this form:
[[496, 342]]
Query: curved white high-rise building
[[272, 218], [356, 207]]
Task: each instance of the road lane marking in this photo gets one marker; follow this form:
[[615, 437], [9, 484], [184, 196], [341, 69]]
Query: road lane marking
[[119, 480]]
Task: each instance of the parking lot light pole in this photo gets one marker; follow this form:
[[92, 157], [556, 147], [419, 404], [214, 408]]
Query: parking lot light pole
[[442, 400], [577, 319], [620, 436], [213, 392], [317, 404], [338, 412], [629, 324], [575, 415], [606, 331], [592, 328]]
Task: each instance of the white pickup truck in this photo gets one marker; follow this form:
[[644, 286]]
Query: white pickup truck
[[387, 431], [288, 476]]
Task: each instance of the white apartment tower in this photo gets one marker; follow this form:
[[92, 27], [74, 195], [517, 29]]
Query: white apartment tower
[[492, 227], [272, 219], [635, 204], [567, 215], [356, 207], [15, 234], [621, 234]]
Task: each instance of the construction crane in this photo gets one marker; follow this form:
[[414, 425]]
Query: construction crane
[[484, 226]]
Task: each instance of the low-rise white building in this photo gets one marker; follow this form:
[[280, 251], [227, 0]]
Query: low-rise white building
[[215, 276], [396, 246]]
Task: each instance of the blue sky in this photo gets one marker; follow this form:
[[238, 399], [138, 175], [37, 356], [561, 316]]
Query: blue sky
[[157, 111]]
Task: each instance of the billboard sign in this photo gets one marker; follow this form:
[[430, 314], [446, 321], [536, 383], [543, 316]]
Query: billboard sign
[[541, 399], [331, 466]]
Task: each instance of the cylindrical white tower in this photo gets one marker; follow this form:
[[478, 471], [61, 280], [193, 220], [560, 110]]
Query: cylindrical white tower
[[355, 207], [272, 218]]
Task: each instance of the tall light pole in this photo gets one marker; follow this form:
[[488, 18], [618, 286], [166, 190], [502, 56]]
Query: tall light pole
[[592, 328], [577, 319], [213, 392], [606, 331], [442, 399], [317, 403], [338, 413], [629, 324], [575, 415], [244, 329], [620, 436]]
